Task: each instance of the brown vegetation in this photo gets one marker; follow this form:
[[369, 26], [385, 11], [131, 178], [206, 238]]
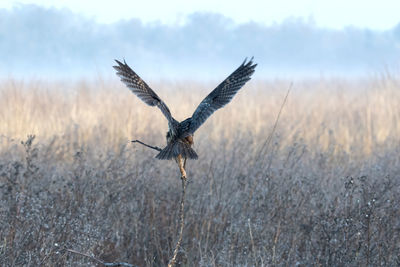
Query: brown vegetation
[[325, 191]]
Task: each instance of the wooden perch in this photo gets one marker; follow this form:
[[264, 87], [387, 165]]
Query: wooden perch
[[182, 168]]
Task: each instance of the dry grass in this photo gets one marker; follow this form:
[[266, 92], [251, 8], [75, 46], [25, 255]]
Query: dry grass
[[359, 115], [325, 192]]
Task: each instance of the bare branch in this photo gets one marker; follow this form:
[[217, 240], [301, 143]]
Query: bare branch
[[99, 261], [182, 166], [149, 146]]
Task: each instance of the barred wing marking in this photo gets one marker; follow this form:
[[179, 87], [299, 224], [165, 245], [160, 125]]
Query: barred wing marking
[[142, 90], [222, 95]]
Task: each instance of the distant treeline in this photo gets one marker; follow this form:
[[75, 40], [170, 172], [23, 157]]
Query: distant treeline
[[37, 40]]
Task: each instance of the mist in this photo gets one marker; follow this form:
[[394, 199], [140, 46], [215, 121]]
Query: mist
[[57, 43]]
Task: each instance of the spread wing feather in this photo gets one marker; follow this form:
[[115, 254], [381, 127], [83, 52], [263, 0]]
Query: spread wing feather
[[142, 90], [222, 94]]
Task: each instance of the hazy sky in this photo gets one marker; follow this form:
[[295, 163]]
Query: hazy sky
[[373, 14], [295, 38]]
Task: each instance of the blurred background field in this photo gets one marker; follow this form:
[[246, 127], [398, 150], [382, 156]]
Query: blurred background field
[[323, 191]]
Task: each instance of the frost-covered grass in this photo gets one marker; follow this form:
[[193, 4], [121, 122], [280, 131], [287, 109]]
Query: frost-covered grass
[[325, 190]]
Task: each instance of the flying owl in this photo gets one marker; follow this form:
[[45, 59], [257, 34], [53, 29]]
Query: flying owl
[[180, 134]]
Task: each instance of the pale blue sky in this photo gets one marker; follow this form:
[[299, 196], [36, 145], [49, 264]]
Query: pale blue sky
[[373, 14]]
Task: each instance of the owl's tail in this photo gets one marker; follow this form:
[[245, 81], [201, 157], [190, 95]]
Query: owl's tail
[[173, 149]]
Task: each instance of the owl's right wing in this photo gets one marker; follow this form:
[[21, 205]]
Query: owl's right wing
[[142, 90], [221, 95]]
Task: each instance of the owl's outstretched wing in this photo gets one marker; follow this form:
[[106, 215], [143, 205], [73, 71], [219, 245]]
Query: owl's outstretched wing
[[221, 95], [142, 90]]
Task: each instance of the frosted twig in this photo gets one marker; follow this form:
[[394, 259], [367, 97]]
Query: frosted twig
[[99, 261]]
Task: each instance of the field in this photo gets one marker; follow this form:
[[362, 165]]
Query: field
[[323, 189]]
